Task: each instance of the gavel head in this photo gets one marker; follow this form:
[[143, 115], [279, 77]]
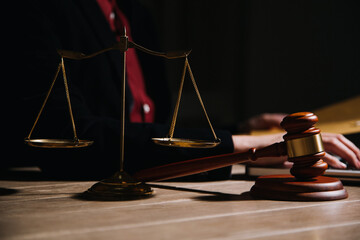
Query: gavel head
[[304, 145]]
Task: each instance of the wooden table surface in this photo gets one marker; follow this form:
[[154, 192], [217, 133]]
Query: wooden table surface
[[42, 209]]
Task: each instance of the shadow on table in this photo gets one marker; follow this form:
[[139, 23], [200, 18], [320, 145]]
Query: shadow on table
[[210, 195], [7, 191], [22, 174]]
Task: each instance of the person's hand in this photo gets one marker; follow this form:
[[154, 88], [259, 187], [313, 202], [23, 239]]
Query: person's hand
[[340, 146], [335, 144], [243, 143], [266, 121]]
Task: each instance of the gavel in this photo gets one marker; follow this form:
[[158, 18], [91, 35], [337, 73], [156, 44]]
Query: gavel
[[302, 144]]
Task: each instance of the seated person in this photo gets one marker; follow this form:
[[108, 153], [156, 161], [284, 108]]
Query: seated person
[[89, 26]]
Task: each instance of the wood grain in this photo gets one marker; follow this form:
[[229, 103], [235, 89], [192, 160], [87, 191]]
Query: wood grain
[[179, 210]]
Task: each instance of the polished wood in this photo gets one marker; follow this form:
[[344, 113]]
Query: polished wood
[[287, 187], [305, 182], [189, 167], [34, 208], [301, 122], [301, 125]]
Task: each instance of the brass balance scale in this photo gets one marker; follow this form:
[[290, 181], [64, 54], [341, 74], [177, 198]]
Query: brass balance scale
[[121, 185]]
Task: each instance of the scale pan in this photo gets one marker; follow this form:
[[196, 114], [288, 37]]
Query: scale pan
[[187, 143], [58, 143]]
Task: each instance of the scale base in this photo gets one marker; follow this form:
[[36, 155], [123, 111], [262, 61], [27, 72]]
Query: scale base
[[120, 186], [288, 188]]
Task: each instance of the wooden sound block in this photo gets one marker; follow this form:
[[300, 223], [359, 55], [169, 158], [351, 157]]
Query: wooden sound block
[[287, 187]]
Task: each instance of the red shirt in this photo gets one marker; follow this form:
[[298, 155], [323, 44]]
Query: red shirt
[[143, 107]]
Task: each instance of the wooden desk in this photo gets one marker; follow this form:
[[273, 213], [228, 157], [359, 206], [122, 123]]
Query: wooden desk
[[180, 210]]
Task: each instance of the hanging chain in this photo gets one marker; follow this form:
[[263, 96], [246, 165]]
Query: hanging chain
[[173, 122], [199, 97], [60, 66], [176, 110], [46, 99], [68, 99]]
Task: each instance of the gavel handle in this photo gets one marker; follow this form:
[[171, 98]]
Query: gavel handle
[[198, 165]]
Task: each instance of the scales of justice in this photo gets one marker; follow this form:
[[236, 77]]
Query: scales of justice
[[302, 144]]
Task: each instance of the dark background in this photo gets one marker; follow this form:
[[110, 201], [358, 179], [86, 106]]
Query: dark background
[[250, 57]]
